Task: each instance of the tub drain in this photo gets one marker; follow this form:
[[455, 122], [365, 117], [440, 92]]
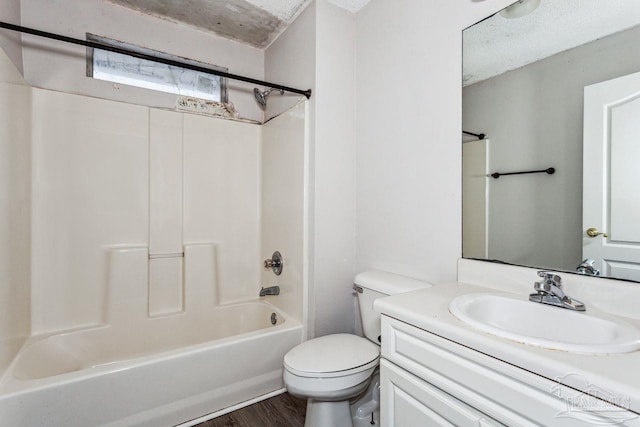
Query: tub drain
[[274, 318]]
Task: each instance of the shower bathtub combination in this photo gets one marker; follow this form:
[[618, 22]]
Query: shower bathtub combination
[[131, 295], [138, 370]]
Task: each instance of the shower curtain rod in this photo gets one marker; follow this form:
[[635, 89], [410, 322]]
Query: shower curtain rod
[[128, 52]]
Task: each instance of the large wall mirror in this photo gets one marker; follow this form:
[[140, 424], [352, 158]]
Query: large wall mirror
[[552, 87]]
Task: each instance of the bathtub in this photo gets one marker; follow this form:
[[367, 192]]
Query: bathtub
[[161, 372]]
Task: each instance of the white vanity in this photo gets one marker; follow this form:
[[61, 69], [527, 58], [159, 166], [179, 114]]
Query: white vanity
[[438, 370]]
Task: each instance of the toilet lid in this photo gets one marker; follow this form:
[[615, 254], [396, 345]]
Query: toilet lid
[[331, 353]]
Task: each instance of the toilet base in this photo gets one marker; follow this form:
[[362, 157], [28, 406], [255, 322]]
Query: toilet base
[[322, 414], [361, 412], [365, 411]]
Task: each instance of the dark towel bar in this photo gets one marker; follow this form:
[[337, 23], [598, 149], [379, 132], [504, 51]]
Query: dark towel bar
[[477, 135], [497, 175]]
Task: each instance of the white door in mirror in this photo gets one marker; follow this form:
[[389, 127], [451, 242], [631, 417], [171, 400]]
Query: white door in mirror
[[611, 197]]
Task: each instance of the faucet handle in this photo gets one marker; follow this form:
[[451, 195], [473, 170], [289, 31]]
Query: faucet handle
[[275, 263], [551, 278]]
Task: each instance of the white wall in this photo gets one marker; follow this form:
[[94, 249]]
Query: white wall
[[534, 117], [291, 60], [318, 51], [335, 185], [62, 67], [10, 41], [409, 67], [15, 227], [407, 91]]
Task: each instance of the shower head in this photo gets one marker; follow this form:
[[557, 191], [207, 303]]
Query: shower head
[[261, 96]]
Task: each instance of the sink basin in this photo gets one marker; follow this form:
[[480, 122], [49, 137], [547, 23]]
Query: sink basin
[[545, 326]]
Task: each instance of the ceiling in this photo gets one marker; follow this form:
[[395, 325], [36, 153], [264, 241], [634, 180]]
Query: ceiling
[[497, 45], [253, 22]]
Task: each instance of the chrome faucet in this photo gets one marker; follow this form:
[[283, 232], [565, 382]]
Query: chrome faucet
[[587, 268], [271, 290], [549, 291]]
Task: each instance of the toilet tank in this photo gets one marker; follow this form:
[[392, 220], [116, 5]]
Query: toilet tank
[[375, 284]]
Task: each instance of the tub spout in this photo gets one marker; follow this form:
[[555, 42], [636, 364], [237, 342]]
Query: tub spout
[[271, 290]]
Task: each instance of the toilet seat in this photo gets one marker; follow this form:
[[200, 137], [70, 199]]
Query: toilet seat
[[331, 356], [328, 388]]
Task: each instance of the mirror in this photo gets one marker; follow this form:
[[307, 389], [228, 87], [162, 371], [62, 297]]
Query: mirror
[[525, 70]]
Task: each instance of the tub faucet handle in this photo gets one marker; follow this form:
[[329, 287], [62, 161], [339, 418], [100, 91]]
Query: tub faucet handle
[[275, 263]]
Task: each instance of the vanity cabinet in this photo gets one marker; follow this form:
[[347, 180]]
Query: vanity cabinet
[[428, 380]]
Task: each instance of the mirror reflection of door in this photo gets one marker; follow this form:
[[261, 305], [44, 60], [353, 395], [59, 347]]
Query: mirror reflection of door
[[474, 198], [611, 164]]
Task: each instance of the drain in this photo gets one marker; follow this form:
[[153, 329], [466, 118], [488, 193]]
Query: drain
[[274, 318]]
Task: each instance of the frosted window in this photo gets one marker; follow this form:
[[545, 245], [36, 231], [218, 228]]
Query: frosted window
[[120, 68]]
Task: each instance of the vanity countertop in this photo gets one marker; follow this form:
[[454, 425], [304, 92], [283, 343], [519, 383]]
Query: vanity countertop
[[616, 375]]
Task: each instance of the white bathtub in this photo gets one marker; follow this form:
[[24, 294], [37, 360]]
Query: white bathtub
[[161, 373]]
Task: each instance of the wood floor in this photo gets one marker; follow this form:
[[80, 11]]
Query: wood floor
[[283, 410]]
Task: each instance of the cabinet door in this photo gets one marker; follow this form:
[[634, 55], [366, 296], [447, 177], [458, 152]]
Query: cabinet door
[[407, 401]]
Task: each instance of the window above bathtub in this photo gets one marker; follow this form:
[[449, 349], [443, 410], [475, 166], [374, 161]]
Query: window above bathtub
[[124, 69]]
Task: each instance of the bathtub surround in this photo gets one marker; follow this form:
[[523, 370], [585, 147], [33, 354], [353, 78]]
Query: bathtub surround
[[222, 162], [166, 154], [90, 192], [203, 183], [284, 207], [15, 207]]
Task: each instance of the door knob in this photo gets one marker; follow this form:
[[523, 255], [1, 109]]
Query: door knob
[[593, 232]]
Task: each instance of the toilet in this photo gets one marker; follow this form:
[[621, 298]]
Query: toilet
[[332, 370]]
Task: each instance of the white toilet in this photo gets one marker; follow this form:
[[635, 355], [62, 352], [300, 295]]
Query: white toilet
[[330, 370]]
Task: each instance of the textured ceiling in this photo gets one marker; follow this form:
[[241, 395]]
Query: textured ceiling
[[497, 45], [254, 22]]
